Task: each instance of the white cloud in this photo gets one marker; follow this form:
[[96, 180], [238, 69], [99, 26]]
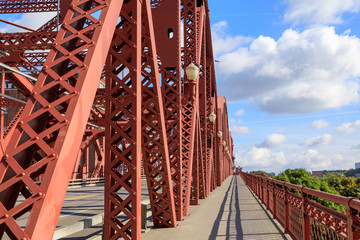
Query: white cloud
[[240, 112], [224, 42], [273, 140], [301, 72], [239, 130], [30, 20], [318, 124], [318, 141], [319, 11], [261, 158], [347, 128], [312, 159]]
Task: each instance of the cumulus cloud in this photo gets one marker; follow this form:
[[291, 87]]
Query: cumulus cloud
[[301, 72], [260, 158], [224, 42], [312, 159], [239, 130], [30, 20], [264, 159], [272, 140], [319, 11], [318, 124], [318, 141], [347, 128]]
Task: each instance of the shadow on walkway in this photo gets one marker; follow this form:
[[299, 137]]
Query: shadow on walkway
[[246, 217]]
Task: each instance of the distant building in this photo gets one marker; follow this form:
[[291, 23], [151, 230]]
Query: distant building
[[357, 165], [320, 174]]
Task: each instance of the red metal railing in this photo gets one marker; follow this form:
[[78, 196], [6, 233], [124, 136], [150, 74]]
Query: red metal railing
[[301, 217]]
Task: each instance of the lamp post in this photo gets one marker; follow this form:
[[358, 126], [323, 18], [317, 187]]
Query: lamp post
[[192, 74], [212, 117]]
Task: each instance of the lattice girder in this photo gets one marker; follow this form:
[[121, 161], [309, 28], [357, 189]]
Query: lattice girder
[[53, 121]]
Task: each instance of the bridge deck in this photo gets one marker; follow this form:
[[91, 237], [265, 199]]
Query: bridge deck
[[230, 212]]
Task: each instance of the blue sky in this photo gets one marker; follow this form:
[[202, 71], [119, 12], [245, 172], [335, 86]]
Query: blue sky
[[290, 71]]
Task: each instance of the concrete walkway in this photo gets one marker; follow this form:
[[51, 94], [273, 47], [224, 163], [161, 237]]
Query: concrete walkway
[[230, 212]]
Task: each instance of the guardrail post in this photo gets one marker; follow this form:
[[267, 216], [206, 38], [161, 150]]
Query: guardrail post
[[306, 224], [267, 195], [261, 190], [286, 210], [274, 201], [350, 213]]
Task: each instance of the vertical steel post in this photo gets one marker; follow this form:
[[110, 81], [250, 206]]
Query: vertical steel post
[[123, 119], [306, 220], [286, 210]]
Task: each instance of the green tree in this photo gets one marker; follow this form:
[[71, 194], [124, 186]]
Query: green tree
[[301, 177]]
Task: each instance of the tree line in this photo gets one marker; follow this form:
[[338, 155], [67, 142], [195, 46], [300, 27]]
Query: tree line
[[336, 183]]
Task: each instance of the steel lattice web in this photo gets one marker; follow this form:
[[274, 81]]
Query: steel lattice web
[[147, 125]]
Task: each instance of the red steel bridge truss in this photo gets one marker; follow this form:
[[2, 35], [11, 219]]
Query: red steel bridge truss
[[110, 75]]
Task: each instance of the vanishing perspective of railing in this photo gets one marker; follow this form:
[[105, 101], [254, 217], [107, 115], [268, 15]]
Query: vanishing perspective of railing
[[301, 217]]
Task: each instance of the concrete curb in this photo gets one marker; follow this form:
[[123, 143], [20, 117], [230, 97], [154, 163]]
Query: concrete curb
[[79, 226]]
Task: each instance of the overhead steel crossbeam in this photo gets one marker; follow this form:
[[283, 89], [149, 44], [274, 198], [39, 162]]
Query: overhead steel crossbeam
[[26, 6]]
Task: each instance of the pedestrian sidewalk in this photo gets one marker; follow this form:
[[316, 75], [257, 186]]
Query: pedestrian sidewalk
[[230, 212]]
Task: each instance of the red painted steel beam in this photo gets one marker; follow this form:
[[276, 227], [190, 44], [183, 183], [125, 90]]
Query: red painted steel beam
[[190, 98], [68, 114], [23, 84], [123, 129], [167, 35], [31, 6], [27, 41], [154, 137]]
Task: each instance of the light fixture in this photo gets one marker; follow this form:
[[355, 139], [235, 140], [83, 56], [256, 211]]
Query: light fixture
[[219, 134], [192, 72], [224, 143], [226, 149], [212, 117]]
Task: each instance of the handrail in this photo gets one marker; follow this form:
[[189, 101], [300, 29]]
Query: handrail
[[301, 217]]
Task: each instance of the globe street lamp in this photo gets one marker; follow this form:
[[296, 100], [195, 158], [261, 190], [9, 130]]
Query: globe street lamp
[[192, 74], [212, 117], [219, 134]]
